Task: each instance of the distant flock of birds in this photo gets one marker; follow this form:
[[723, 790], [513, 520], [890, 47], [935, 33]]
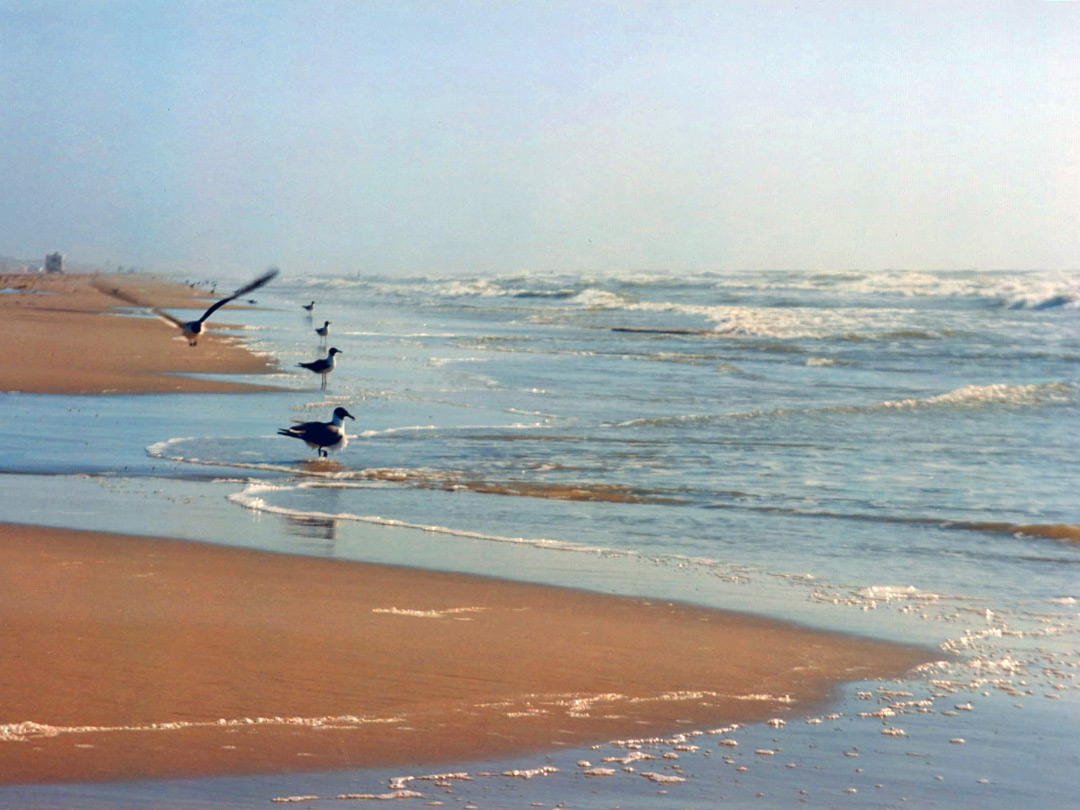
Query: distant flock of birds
[[324, 437]]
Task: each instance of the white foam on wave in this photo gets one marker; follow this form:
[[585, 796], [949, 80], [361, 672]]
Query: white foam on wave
[[251, 497], [794, 323], [368, 434], [975, 396], [1041, 289], [1035, 290], [967, 397], [1018, 290], [780, 323], [473, 288], [1014, 291], [438, 362], [164, 450], [596, 298], [1063, 600], [890, 593], [501, 287]]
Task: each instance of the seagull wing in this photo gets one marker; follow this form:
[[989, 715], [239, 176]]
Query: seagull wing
[[265, 277], [307, 425], [131, 300], [127, 298], [165, 316], [319, 433], [117, 293]]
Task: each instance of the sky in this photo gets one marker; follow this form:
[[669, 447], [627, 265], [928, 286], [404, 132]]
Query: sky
[[450, 136]]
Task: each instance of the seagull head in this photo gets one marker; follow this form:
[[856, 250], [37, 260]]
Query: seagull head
[[341, 413], [334, 351]]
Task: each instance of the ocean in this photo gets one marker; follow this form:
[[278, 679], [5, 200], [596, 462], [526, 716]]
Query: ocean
[[891, 454]]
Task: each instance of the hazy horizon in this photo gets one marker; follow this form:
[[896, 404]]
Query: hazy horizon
[[479, 137]]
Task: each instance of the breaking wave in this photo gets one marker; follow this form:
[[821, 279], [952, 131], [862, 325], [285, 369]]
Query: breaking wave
[[968, 397], [977, 396]]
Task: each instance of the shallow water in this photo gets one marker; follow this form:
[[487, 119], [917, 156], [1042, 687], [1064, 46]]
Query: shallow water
[[888, 454]]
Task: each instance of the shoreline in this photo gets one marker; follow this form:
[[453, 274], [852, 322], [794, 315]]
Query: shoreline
[[60, 334], [167, 658], [138, 657]]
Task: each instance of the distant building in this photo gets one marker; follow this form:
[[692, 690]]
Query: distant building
[[54, 263]]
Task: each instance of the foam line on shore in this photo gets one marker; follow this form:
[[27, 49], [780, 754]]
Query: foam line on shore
[[29, 730]]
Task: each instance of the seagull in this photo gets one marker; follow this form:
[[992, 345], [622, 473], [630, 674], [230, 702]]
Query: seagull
[[324, 366], [324, 330], [192, 329], [323, 436], [309, 307]]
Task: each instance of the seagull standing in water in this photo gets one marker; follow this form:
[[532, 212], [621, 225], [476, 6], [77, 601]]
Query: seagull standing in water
[[192, 329], [323, 436], [323, 331], [323, 366], [309, 307]]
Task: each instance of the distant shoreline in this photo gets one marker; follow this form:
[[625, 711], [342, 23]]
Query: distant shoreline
[[59, 334]]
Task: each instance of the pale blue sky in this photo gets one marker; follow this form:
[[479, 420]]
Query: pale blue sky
[[399, 136]]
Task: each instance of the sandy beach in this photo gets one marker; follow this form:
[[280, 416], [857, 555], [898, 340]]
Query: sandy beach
[[61, 334], [142, 657], [137, 657]]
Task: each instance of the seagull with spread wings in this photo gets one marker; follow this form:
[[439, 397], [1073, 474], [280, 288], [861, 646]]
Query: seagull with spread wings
[[192, 329]]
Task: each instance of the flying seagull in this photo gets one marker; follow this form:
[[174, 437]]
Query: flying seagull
[[324, 330], [323, 366], [192, 329], [323, 436]]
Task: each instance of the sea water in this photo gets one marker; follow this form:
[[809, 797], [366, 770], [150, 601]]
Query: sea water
[[892, 454]]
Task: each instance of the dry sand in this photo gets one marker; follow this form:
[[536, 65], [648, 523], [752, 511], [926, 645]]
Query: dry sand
[[61, 334], [350, 664]]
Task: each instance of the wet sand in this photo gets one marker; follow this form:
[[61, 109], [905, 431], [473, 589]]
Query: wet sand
[[62, 334], [139, 657]]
